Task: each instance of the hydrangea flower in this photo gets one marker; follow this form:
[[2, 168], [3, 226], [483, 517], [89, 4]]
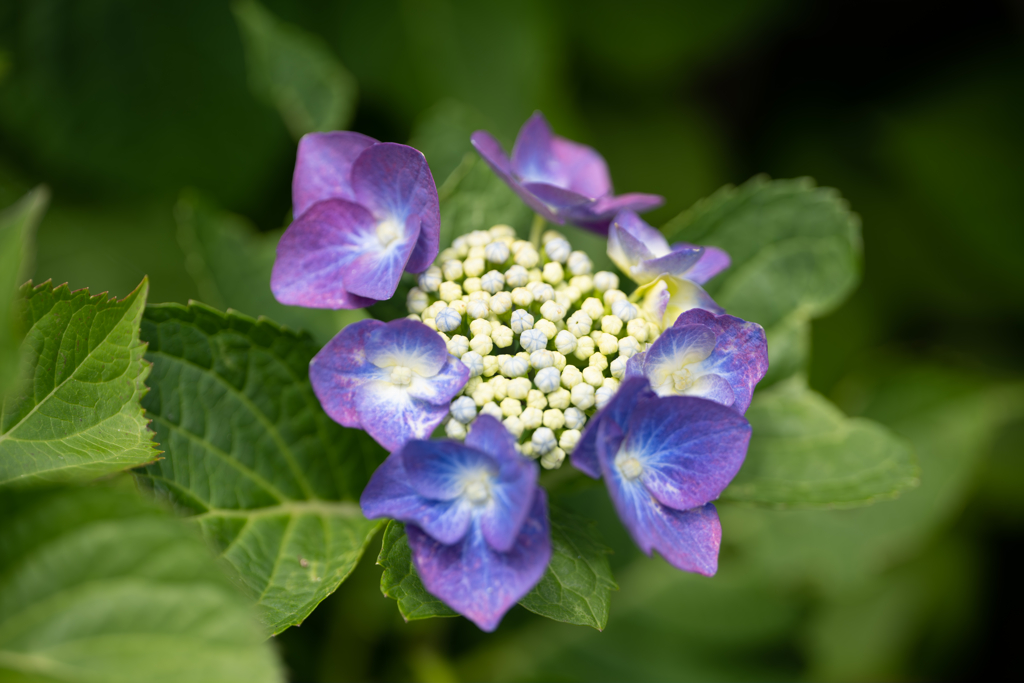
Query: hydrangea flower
[[476, 520], [364, 212], [561, 180], [674, 272], [395, 380], [664, 460], [717, 357]]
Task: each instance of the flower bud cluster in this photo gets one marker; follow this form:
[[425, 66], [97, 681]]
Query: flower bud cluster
[[546, 339]]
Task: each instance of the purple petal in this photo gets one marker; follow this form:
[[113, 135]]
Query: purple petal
[[477, 581], [408, 343], [740, 357], [676, 263], [488, 435], [492, 152], [713, 262], [675, 350], [375, 272], [539, 156], [340, 368], [392, 417], [323, 168], [689, 448], [440, 389], [557, 199], [583, 169], [635, 365], [532, 154], [652, 239], [625, 249], [438, 470], [618, 409], [389, 494], [313, 256]]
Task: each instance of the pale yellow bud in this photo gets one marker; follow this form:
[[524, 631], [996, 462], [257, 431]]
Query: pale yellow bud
[[559, 399]]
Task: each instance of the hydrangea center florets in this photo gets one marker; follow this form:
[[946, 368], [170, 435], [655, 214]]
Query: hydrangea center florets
[[545, 338]]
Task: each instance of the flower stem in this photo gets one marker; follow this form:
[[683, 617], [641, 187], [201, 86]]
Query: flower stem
[[536, 229]]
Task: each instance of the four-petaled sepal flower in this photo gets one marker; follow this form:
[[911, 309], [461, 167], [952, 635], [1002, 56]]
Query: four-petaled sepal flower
[[364, 212], [562, 180], [664, 460], [395, 380], [717, 357], [476, 520]]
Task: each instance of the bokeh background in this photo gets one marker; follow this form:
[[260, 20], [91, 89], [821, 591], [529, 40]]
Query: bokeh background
[[912, 109]]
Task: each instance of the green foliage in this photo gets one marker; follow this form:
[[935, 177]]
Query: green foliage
[[17, 223], [795, 253], [295, 71], [804, 452], [97, 585], [474, 198], [575, 589], [231, 263], [442, 133], [75, 412], [250, 454]]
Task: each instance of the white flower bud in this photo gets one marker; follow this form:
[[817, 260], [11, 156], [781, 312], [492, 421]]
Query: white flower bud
[[571, 376], [501, 230], [510, 407], [542, 359], [582, 396], [463, 409], [624, 311], [433, 309], [500, 303], [474, 361], [584, 348], [417, 300], [565, 341], [448, 319], [579, 324], [515, 367], [458, 345], [552, 311], [527, 257], [471, 285], [455, 430], [599, 361], [522, 297], [593, 308], [603, 281], [450, 291], [608, 344], [531, 418], [584, 283], [516, 276], [550, 234], [413, 316], [458, 304], [534, 275], [527, 450], [524, 355], [553, 459], [447, 255], [543, 440], [569, 438], [559, 360], [519, 388], [593, 376], [613, 295], [490, 366], [547, 328], [474, 267], [443, 336], [478, 295], [533, 340], [629, 347], [483, 394], [491, 409], [553, 273], [452, 270], [637, 329], [429, 322], [492, 282], [611, 383], [481, 344], [554, 419], [460, 245], [543, 292], [500, 386], [558, 249], [471, 384], [514, 425], [618, 367], [521, 321], [579, 263], [574, 419], [502, 336], [602, 396], [547, 380], [559, 399], [430, 279], [477, 309], [496, 252], [611, 324], [570, 293], [478, 327], [478, 238], [536, 399]]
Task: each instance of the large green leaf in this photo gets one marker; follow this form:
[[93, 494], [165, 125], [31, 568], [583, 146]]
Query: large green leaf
[[805, 452], [576, 587], [295, 71], [16, 226], [75, 412], [251, 455], [795, 251], [231, 263], [97, 586]]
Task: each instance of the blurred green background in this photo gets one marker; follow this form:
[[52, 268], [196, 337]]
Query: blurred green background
[[911, 109]]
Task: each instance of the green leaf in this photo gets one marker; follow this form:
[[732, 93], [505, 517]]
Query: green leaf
[[442, 133], [231, 263], [250, 454], [795, 251], [473, 198], [805, 452], [295, 71], [577, 586], [75, 412], [97, 585], [17, 223], [400, 581]]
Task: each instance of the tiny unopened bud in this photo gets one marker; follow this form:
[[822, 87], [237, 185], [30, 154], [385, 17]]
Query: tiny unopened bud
[[579, 263], [492, 282], [448, 319], [483, 394], [582, 396], [602, 396], [491, 409], [502, 336], [543, 292], [568, 439], [558, 249], [429, 322], [510, 407], [471, 285], [599, 361], [584, 348], [514, 425], [559, 398], [542, 359], [637, 329], [477, 309], [463, 409], [480, 327], [521, 321], [547, 328], [447, 255], [413, 316], [593, 308], [501, 230], [552, 310], [536, 399], [603, 281], [613, 295], [584, 283], [553, 273], [474, 361], [559, 361], [609, 344], [452, 269], [481, 344], [455, 430], [575, 418], [624, 310], [519, 388], [611, 324], [496, 252], [579, 324], [565, 342], [593, 376], [522, 297], [478, 238], [450, 291], [547, 380], [533, 340], [460, 245], [618, 367], [527, 449], [417, 300], [571, 293], [430, 279], [527, 257], [629, 347], [491, 366], [553, 459], [571, 376], [534, 275], [471, 384], [543, 440], [458, 345], [516, 276], [500, 303], [515, 367], [531, 418], [500, 386], [459, 305], [553, 419]]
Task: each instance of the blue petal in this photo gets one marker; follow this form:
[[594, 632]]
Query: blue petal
[[676, 263], [440, 389], [584, 456], [477, 581], [438, 470], [408, 343], [650, 237], [711, 263], [340, 368], [740, 357], [675, 350], [624, 249], [392, 416], [488, 435], [323, 167]]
